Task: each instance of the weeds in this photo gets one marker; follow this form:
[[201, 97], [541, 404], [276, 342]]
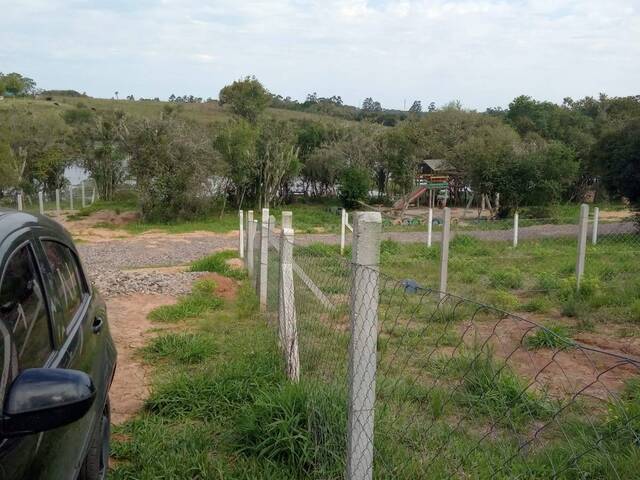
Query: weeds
[[551, 337], [218, 263]]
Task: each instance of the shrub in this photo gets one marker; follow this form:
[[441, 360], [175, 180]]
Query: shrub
[[354, 186], [171, 161]]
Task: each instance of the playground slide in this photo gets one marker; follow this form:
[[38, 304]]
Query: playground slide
[[407, 200]]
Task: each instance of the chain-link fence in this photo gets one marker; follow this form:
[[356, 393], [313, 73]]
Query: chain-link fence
[[421, 383]]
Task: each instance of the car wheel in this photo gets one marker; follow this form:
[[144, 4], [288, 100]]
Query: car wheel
[[96, 463]]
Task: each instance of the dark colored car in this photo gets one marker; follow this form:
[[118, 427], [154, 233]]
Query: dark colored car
[[57, 358]]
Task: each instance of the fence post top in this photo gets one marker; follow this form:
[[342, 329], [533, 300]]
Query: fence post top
[[287, 220], [367, 229]]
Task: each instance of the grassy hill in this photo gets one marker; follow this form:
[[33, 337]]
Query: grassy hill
[[205, 113]]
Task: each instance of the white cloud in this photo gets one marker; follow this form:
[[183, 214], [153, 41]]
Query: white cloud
[[483, 52]]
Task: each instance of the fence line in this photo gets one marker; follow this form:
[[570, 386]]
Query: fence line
[[52, 203], [440, 386]]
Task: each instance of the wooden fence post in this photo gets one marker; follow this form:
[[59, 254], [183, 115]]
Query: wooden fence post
[[367, 233]]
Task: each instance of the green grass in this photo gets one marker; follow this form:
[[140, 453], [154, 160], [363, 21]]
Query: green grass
[[221, 407], [196, 303], [218, 263], [185, 348], [556, 336]]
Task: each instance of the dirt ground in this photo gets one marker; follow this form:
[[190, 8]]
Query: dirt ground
[[130, 329]]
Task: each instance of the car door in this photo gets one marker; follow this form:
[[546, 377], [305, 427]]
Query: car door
[[25, 338], [79, 321]]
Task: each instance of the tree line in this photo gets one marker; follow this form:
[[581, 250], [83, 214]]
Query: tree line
[[532, 153]]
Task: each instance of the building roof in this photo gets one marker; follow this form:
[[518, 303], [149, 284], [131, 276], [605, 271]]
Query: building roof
[[437, 164]]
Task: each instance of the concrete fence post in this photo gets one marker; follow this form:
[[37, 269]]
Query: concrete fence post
[[241, 234], [264, 258], [429, 226], [93, 195], [41, 202], [582, 242], [251, 235], [444, 252], [596, 218], [84, 204], [343, 228], [286, 305], [58, 201], [516, 226], [19, 199], [246, 249], [367, 232], [70, 197]]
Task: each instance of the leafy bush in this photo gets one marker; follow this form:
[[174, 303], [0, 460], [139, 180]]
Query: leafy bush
[[172, 161], [354, 186]]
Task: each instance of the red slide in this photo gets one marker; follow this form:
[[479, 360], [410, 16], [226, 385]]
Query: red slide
[[409, 198]]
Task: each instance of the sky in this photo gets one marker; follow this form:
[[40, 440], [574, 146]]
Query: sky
[[481, 52]]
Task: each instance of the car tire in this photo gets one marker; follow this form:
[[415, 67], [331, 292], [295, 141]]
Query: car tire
[[96, 463]]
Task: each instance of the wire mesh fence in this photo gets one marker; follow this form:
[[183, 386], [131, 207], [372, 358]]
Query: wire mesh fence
[[423, 383], [72, 197]]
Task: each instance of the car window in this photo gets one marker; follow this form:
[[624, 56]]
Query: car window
[[67, 279], [23, 310]]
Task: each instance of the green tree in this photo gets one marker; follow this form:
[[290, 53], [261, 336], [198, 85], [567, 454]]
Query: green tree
[[15, 84], [99, 144], [246, 97], [369, 105], [617, 157], [173, 163], [354, 186], [416, 107], [277, 156], [236, 143]]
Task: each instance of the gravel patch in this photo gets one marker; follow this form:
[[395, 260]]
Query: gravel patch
[[147, 252], [106, 263], [112, 283]]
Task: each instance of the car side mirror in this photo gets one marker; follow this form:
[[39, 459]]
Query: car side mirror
[[41, 399]]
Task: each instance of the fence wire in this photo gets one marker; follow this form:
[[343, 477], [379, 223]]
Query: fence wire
[[462, 389]]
